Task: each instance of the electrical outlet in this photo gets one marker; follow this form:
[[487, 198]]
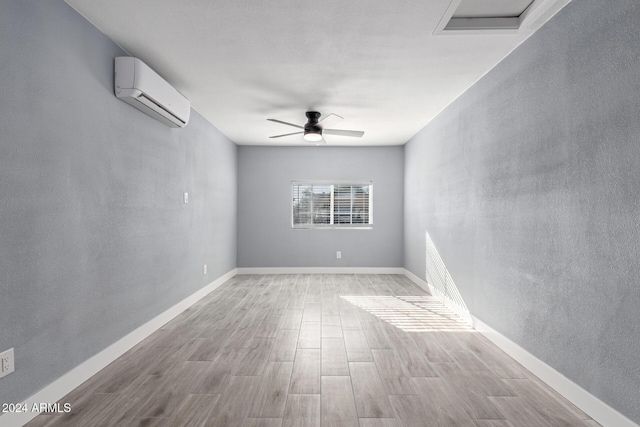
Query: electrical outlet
[[204, 269], [339, 255], [6, 363]]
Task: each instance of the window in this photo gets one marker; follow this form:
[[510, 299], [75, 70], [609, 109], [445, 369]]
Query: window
[[332, 205]]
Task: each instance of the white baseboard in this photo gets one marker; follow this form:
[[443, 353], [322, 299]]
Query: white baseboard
[[415, 279], [588, 403], [72, 379], [321, 270]]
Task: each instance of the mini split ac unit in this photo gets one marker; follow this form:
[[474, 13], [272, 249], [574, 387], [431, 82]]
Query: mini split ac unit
[[140, 86]]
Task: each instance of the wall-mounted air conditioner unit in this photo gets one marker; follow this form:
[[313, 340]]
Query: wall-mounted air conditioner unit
[[140, 86]]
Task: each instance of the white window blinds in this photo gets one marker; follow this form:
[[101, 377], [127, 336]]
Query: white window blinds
[[332, 205]]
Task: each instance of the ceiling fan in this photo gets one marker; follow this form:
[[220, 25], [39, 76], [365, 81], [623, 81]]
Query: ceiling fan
[[314, 129]]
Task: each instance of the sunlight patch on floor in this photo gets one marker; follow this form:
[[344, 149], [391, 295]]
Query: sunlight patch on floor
[[410, 313]]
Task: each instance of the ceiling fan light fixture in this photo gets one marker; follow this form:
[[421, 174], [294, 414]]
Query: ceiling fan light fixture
[[313, 136]]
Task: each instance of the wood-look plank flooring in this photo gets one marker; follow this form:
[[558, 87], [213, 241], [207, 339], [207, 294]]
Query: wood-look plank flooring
[[315, 350]]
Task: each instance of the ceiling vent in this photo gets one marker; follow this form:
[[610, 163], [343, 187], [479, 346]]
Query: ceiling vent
[[496, 16]]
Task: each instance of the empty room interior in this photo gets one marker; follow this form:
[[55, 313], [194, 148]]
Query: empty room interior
[[320, 213]]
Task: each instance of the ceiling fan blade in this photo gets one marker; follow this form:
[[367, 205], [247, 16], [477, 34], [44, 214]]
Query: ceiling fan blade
[[330, 118], [341, 132], [286, 134], [286, 123]]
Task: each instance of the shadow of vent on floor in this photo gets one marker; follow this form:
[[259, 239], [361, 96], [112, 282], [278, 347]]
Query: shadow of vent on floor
[[410, 313], [442, 285]]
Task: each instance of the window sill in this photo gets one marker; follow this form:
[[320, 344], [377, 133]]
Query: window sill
[[333, 227]]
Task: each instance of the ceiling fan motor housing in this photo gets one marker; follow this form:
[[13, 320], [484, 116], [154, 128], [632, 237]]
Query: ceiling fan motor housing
[[312, 124]]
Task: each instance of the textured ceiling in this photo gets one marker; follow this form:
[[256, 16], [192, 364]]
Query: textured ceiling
[[377, 63]]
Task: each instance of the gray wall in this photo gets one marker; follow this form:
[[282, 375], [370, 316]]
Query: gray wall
[[94, 236], [265, 236], [529, 186]]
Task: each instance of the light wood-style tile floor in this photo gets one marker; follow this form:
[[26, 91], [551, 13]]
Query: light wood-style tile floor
[[316, 350]]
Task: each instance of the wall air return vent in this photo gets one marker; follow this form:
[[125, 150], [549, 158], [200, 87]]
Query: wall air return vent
[[496, 16]]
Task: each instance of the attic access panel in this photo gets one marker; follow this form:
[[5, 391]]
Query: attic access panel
[[496, 16], [491, 8]]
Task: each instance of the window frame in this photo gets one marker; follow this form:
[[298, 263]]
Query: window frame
[[332, 223]]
